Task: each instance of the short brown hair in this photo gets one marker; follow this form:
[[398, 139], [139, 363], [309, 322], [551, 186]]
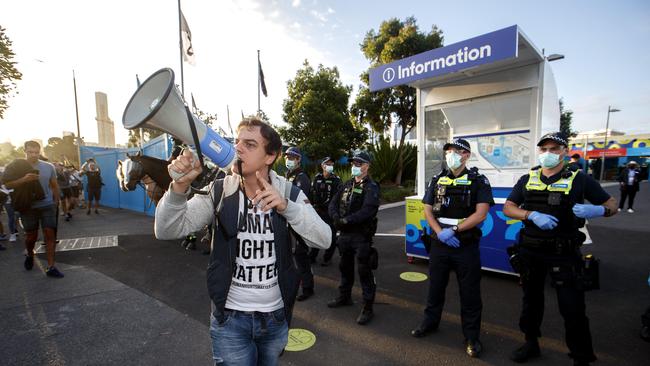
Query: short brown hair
[[32, 143], [273, 140]]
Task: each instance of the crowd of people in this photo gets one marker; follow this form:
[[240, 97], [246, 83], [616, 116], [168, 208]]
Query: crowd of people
[[266, 232], [34, 192]]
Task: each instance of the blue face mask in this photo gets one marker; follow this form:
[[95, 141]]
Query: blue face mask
[[548, 160], [453, 160], [356, 171], [290, 164], [329, 168]]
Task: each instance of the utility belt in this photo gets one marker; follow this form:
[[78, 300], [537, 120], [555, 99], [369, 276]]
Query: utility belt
[[583, 275], [471, 236], [557, 245], [468, 237]]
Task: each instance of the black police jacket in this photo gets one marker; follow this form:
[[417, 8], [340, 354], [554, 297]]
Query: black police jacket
[[322, 191], [358, 203]]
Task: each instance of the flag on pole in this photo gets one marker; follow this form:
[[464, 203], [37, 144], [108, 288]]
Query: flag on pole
[[262, 83], [193, 102], [137, 80], [188, 50]]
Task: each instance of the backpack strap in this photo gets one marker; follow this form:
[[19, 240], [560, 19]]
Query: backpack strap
[[217, 193]]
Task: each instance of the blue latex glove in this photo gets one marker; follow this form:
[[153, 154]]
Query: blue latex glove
[[447, 236], [588, 211], [542, 220]]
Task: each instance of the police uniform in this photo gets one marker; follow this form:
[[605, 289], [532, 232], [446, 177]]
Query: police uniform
[[555, 251], [454, 199], [322, 191], [301, 180], [354, 209]]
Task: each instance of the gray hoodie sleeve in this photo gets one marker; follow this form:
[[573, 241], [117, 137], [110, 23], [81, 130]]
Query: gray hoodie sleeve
[[176, 217]]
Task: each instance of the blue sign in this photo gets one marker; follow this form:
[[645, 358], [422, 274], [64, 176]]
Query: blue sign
[[485, 49]]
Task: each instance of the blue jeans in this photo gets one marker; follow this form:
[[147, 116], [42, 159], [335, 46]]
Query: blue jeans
[[248, 338], [11, 220]]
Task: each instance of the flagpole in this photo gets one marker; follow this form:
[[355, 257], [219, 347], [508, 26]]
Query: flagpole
[[229, 125], [76, 110], [180, 47], [258, 81]]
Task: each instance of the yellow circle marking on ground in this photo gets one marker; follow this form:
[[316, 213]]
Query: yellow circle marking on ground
[[413, 276], [300, 340]]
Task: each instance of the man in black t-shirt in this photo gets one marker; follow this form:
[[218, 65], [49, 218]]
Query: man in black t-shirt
[[550, 202], [94, 186]]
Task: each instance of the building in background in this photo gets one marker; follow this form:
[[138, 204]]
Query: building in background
[[620, 150], [105, 127]]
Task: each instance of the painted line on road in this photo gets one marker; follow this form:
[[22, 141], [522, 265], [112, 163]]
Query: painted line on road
[[389, 234], [92, 242]]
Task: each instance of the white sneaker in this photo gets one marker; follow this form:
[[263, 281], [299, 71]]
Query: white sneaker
[[630, 210], [12, 237]]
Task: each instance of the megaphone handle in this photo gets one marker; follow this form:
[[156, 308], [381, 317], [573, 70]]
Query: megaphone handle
[[176, 175]]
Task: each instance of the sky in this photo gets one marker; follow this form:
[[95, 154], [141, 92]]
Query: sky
[[107, 43]]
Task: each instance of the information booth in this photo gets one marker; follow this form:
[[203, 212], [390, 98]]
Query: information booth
[[498, 92]]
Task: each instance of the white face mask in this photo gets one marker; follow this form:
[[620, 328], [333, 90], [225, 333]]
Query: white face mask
[[329, 168], [549, 160], [356, 171], [290, 164], [453, 160]]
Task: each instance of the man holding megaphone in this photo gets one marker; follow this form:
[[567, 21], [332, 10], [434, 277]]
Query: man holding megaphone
[[252, 278]]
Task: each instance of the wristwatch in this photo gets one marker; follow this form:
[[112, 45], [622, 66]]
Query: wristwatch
[[454, 228]]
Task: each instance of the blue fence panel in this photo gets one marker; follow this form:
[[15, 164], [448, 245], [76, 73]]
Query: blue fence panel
[[106, 158]]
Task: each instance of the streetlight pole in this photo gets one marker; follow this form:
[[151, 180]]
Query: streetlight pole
[[602, 163]]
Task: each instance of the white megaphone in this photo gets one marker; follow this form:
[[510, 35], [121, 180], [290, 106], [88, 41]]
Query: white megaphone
[[157, 105]]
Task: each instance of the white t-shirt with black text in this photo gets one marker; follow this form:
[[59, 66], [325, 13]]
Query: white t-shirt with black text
[[254, 285]]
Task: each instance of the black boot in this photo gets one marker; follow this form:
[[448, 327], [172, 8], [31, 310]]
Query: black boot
[[473, 348], [424, 329], [529, 350], [306, 293], [340, 301], [366, 314]]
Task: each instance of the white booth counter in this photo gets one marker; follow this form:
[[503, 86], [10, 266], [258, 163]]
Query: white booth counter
[[498, 92]]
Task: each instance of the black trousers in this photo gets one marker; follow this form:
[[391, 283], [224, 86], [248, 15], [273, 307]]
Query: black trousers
[[329, 252], [466, 262], [351, 246], [301, 255], [628, 193], [571, 301]]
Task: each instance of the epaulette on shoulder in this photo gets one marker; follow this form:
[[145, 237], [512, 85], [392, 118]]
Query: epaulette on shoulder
[[536, 167], [473, 173]]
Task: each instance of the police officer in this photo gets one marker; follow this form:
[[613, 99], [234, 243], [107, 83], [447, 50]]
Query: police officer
[[550, 202], [301, 180], [323, 187], [455, 203], [354, 212]]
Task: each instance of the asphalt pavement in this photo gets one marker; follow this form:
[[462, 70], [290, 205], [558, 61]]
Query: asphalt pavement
[[144, 302]]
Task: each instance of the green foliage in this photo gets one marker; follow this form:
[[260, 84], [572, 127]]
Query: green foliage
[[316, 113], [8, 153], [8, 72], [566, 115], [395, 40], [63, 150], [395, 193], [385, 161]]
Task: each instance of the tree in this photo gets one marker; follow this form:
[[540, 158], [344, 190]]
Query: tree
[[395, 40], [8, 153], [8, 72], [566, 115], [317, 115], [62, 149]]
